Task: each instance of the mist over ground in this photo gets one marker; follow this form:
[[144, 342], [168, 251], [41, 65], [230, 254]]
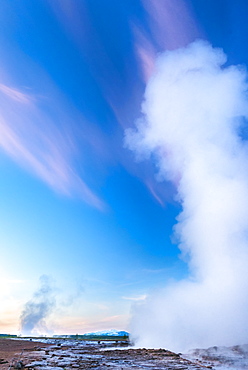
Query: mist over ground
[[194, 109]]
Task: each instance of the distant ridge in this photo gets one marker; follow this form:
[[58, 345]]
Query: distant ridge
[[111, 332]]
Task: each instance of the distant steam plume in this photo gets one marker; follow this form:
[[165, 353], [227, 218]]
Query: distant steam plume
[[194, 112], [38, 308]]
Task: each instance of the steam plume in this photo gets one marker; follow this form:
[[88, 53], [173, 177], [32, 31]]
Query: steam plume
[[193, 115], [38, 308]]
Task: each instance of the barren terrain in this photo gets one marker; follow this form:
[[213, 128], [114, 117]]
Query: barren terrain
[[72, 354], [81, 355]]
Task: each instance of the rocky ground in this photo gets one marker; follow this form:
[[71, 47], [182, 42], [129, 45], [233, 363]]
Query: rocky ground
[[81, 355], [13, 349], [66, 354]]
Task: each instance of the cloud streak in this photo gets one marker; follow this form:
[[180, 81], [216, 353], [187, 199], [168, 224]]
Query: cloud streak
[[37, 132], [193, 112], [136, 299], [151, 27], [171, 26]]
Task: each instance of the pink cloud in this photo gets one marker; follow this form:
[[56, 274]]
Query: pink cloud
[[30, 137], [172, 26], [15, 94], [171, 22]]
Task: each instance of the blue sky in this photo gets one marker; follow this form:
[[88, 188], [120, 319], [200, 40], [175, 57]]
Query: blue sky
[[76, 204]]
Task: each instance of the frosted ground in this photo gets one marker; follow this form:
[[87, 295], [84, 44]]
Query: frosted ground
[[73, 354]]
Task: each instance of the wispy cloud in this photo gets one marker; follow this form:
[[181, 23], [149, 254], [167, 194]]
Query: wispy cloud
[[171, 26], [11, 281], [15, 94], [136, 299], [171, 23], [37, 132], [115, 321], [79, 325], [168, 25]]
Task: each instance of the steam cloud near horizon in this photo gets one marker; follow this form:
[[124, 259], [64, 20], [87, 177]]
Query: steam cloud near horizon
[[38, 309], [193, 113]]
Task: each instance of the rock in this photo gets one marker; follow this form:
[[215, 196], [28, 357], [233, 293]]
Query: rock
[[18, 365], [3, 361], [35, 364]]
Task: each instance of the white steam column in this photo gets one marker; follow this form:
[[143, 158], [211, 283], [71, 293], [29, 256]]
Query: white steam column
[[193, 112]]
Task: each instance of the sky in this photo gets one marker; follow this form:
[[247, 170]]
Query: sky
[[86, 223]]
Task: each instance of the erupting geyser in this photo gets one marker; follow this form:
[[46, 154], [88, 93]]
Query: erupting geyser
[[194, 111]]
